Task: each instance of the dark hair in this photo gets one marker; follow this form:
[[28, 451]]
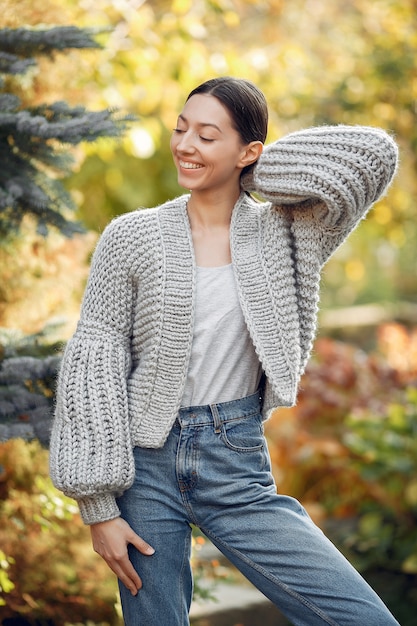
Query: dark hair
[[245, 103]]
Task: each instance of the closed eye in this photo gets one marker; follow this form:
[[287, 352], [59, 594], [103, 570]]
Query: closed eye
[[179, 131]]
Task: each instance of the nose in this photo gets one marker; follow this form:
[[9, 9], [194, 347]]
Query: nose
[[185, 142]]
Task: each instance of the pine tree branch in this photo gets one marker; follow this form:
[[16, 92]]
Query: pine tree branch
[[69, 125], [13, 64], [26, 397], [28, 42]]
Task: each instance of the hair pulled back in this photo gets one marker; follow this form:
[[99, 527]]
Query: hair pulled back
[[245, 103]]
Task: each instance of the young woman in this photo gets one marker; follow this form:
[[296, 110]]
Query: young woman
[[197, 321]]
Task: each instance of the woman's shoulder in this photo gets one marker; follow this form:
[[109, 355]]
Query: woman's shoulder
[[138, 222]]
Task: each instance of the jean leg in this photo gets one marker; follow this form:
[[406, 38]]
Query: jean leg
[[165, 597], [155, 512], [288, 558], [270, 537]]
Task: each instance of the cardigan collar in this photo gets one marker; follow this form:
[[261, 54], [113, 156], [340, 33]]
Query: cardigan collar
[[264, 268], [265, 276]]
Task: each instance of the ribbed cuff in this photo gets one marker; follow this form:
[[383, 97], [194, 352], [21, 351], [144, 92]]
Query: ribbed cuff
[[100, 508]]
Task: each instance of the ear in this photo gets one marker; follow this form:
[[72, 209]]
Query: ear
[[251, 153]]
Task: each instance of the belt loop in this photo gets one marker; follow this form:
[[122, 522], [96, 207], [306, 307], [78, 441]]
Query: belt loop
[[216, 418]]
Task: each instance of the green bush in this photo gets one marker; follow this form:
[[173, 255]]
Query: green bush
[[384, 451], [48, 570], [383, 540]]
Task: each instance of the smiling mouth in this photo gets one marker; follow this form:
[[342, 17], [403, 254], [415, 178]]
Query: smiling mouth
[[190, 166]]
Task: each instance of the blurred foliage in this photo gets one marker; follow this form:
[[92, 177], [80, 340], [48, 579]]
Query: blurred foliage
[[48, 571], [382, 541], [341, 380], [42, 280], [317, 62], [384, 452]]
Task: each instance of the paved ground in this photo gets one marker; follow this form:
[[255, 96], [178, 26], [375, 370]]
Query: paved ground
[[237, 605]]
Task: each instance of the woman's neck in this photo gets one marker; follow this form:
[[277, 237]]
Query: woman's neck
[[211, 211], [210, 226]]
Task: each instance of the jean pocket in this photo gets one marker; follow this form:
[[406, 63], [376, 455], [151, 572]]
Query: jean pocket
[[244, 434]]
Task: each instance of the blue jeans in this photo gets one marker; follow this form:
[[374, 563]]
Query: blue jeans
[[214, 472]]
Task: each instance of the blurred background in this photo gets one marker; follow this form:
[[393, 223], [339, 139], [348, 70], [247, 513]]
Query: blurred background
[[349, 449]]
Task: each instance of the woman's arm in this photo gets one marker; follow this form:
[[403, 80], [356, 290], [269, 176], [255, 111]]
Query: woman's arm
[[91, 456], [334, 173]]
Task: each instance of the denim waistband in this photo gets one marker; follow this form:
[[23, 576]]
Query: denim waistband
[[220, 412]]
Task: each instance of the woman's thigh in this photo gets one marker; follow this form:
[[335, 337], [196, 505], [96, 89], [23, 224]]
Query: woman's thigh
[[154, 511], [291, 561]]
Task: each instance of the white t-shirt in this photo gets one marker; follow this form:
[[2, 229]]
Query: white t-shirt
[[223, 364]]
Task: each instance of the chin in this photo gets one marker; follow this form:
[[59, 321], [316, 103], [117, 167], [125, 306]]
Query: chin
[[187, 184]]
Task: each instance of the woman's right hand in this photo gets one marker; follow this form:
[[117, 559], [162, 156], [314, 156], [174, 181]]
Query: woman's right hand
[[110, 540]]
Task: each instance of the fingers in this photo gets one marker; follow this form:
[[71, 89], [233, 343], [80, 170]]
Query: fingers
[[110, 540], [141, 545], [125, 572]]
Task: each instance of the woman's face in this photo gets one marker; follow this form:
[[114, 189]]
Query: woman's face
[[208, 152]]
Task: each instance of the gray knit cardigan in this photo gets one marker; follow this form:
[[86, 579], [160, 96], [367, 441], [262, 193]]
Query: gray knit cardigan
[[124, 370]]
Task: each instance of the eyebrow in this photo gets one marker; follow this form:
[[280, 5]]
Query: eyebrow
[[201, 124]]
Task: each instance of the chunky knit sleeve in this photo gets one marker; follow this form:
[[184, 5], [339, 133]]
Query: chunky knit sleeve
[[332, 174], [90, 453]]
